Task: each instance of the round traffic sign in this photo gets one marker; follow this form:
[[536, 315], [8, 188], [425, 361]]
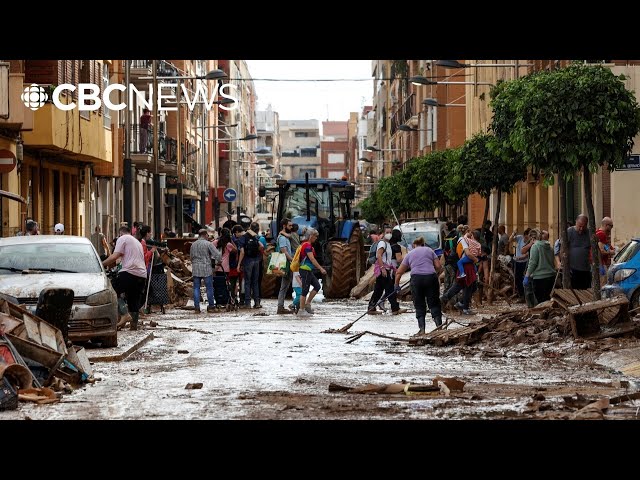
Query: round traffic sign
[[229, 194], [7, 161]]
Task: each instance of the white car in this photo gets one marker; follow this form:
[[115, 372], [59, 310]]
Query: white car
[[432, 232], [28, 264]]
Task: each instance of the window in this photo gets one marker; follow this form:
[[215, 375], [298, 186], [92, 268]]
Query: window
[[310, 171], [301, 134], [335, 158], [105, 83]]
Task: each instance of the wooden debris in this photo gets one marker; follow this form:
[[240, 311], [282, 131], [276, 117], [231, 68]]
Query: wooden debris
[[463, 336], [386, 389], [193, 386], [593, 411], [38, 395], [624, 398], [453, 384]]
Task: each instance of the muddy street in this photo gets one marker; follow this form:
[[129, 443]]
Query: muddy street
[[258, 365]]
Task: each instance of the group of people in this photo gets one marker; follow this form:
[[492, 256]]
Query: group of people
[[237, 255], [288, 242], [33, 228]]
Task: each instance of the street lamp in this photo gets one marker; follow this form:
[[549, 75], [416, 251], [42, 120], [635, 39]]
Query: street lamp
[[432, 102], [376, 149], [368, 160], [421, 80], [407, 128], [457, 64]]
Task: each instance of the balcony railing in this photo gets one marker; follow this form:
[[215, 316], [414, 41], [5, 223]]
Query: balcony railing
[[403, 114], [141, 142]]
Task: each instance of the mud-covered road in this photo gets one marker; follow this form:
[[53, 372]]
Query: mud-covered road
[[258, 365]]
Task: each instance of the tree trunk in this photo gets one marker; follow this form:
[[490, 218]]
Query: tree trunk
[[482, 229], [494, 245], [595, 251], [564, 239]]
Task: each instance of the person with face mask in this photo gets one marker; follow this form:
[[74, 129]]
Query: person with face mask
[[384, 271], [284, 246]]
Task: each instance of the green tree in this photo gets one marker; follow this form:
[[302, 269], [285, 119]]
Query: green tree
[[566, 121], [483, 168]]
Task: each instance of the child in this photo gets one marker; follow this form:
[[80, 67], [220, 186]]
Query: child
[[474, 249], [296, 283]]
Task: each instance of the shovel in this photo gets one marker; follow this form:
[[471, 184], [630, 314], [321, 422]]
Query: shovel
[[346, 328]]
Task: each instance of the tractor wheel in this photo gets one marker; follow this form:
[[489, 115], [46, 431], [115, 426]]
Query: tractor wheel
[[270, 285], [356, 244]]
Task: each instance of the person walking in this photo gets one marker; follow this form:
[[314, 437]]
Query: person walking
[[579, 254], [540, 268], [425, 267], [284, 246], [307, 262], [468, 283], [251, 252], [202, 252], [384, 272], [132, 274]]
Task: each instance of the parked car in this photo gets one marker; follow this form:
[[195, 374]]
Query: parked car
[[624, 274], [28, 264], [432, 232]]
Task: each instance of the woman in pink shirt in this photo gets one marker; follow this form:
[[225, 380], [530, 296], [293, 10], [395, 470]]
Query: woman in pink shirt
[[226, 246]]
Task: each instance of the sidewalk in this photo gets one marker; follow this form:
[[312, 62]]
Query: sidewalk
[[128, 342]]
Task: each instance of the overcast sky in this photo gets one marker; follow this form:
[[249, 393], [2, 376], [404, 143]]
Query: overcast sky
[[309, 99]]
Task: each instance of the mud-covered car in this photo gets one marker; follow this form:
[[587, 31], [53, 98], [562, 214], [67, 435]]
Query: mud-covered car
[[624, 274], [432, 232], [29, 264]]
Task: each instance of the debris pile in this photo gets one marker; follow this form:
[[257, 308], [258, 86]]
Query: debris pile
[[179, 276], [36, 364]]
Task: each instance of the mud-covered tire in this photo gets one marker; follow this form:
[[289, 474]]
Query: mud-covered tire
[[270, 285], [347, 265], [110, 341]]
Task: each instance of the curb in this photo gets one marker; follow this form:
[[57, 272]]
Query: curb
[[122, 356]]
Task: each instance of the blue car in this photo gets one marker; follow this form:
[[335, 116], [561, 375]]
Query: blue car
[[624, 274]]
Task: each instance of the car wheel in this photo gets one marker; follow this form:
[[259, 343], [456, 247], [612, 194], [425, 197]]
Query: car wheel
[[110, 341], [635, 300]]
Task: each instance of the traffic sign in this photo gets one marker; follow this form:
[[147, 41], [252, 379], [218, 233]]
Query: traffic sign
[[7, 161], [229, 195]]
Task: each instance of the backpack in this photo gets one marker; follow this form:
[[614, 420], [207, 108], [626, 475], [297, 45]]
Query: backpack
[[459, 249], [450, 249], [251, 246], [295, 263], [372, 254]]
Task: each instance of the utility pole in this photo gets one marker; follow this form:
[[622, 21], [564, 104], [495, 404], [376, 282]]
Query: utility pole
[[179, 197], [204, 174], [127, 179], [156, 174]]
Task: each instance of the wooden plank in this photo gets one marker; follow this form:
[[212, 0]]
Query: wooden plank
[[48, 335], [32, 331], [598, 305]]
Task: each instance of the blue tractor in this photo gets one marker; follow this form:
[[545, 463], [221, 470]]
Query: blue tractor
[[323, 204]]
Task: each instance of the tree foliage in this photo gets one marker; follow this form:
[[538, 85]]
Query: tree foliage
[[564, 120]]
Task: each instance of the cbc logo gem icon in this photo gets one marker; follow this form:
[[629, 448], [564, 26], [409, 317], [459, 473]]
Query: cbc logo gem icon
[[34, 96]]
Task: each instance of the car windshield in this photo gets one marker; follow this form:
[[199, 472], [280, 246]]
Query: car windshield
[[431, 238], [71, 257], [628, 252]]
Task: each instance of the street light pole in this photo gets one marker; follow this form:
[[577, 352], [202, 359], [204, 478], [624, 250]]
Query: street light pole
[[205, 168], [127, 180], [179, 193], [156, 175]]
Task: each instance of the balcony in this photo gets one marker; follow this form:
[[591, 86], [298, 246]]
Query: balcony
[[144, 68], [18, 117], [170, 166], [404, 113], [141, 144]]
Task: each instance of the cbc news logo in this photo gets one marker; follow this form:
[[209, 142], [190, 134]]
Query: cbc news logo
[[34, 96]]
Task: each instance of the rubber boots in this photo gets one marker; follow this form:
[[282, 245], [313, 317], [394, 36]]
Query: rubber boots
[[438, 321], [134, 320]]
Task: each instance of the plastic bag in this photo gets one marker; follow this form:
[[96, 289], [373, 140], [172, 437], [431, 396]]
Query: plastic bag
[[277, 264]]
